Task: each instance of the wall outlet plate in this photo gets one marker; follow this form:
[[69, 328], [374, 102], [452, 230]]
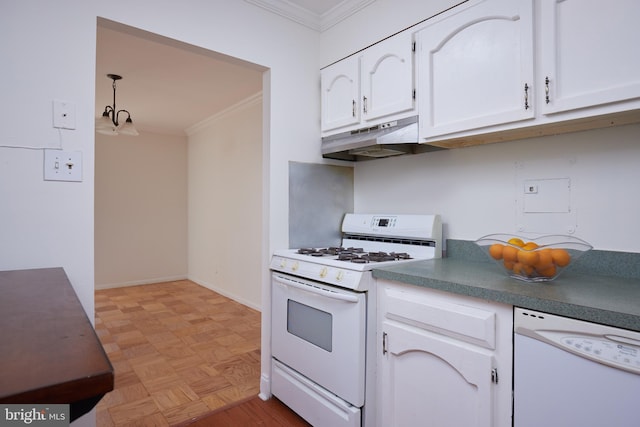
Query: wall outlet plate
[[64, 114], [62, 165]]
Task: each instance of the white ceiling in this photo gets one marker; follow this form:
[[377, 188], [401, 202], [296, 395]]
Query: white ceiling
[[168, 86]]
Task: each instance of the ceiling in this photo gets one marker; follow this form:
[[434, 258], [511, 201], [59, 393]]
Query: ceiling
[[169, 86]]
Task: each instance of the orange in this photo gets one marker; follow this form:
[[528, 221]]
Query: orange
[[515, 241], [522, 269], [508, 265], [548, 271], [544, 259], [509, 253], [495, 251], [528, 257], [529, 246], [561, 257]]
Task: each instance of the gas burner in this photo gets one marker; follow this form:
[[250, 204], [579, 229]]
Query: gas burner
[[363, 258], [332, 250], [401, 255], [306, 251], [347, 256], [380, 256], [355, 250]]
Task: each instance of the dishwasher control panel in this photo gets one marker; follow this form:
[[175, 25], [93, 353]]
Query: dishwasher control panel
[[605, 350], [618, 348]]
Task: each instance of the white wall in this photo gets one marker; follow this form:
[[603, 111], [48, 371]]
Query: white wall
[[474, 189], [225, 202], [140, 209], [48, 52]]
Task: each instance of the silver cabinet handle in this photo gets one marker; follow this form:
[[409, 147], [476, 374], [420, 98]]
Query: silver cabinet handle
[[353, 108], [384, 343], [546, 89], [526, 96], [364, 104]]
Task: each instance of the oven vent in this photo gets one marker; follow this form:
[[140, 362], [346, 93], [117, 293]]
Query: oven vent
[[413, 242]]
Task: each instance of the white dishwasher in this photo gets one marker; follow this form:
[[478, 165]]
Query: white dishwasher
[[569, 373]]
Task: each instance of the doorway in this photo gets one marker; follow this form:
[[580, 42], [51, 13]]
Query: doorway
[[163, 198]]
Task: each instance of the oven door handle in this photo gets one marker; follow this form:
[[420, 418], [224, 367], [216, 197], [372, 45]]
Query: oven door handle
[[315, 290]]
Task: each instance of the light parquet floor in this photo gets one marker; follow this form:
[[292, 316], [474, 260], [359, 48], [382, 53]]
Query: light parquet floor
[[179, 351]]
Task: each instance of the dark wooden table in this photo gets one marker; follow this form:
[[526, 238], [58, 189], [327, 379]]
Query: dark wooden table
[[49, 351]]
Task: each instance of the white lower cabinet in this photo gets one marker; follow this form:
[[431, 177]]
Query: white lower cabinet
[[443, 359]]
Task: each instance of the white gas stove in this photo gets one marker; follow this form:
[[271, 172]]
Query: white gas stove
[[323, 310], [368, 242]]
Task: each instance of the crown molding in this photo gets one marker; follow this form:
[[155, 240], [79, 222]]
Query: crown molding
[[239, 106], [308, 18]]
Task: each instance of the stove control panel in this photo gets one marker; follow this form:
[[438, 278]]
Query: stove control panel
[[343, 278], [386, 222]]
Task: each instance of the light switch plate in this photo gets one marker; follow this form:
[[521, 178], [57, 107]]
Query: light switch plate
[[62, 165]]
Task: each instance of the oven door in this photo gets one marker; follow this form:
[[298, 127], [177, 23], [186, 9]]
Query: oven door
[[319, 331]]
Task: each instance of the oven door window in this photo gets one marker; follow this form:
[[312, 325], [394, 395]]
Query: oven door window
[[310, 324]]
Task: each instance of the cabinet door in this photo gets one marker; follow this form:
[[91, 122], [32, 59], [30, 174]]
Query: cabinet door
[[590, 54], [432, 380], [340, 86], [387, 77], [476, 68]]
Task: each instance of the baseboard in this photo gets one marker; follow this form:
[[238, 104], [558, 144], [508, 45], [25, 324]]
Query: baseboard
[[139, 282], [226, 293]]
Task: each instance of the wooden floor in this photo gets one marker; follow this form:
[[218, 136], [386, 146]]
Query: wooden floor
[[179, 350], [250, 413]]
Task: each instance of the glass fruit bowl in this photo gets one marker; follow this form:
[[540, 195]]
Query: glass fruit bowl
[[533, 260]]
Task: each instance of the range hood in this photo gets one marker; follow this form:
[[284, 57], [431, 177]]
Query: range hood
[[388, 139]]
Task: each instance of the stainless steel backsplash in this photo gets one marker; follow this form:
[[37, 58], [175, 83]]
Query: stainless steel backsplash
[[319, 196]]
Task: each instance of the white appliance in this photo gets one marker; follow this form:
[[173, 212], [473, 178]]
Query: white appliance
[[572, 373], [323, 315]]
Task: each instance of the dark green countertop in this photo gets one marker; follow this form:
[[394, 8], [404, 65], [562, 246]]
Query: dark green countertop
[[606, 299]]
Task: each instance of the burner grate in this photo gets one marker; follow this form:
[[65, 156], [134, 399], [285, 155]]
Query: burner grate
[[355, 255]]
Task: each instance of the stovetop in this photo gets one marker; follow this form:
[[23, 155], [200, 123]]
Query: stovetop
[[368, 242], [347, 269], [354, 255]]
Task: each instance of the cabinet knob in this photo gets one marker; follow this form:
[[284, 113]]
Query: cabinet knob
[[364, 104], [526, 96], [353, 108]]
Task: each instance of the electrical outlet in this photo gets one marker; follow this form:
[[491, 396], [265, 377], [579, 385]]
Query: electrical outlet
[[64, 114], [62, 165]]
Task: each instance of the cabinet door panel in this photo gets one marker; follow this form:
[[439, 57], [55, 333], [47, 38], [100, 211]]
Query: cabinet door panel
[[387, 78], [474, 67], [589, 53], [340, 87], [435, 381]]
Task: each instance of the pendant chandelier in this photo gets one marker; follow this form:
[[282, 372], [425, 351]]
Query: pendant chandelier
[[109, 123]]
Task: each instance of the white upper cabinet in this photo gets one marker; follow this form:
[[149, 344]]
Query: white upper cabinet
[[476, 68], [387, 78], [340, 86], [589, 53], [495, 70], [370, 87]]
